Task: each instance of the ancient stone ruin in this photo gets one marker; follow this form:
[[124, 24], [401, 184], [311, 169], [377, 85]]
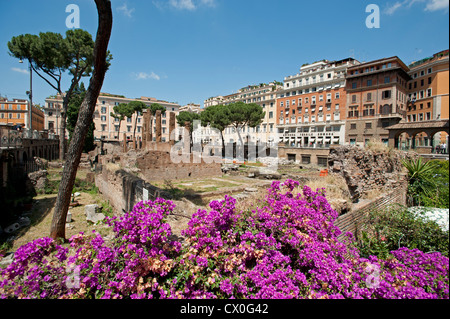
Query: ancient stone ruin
[[127, 174], [365, 170]]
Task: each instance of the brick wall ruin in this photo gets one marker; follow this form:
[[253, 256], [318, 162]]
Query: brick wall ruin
[[365, 170], [124, 190]]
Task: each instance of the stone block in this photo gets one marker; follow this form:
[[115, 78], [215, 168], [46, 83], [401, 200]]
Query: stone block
[[93, 213]]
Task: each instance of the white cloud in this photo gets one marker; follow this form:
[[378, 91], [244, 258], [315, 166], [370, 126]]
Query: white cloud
[[392, 8], [183, 4], [20, 70], [434, 5], [431, 5], [190, 5], [146, 76], [127, 12]]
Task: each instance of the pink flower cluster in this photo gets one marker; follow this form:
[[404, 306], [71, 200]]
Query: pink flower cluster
[[287, 248]]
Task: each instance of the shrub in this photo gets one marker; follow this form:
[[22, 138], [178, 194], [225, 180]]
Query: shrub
[[397, 227], [286, 248]]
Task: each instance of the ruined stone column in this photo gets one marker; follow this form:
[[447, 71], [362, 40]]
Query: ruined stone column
[[172, 128], [150, 127], [124, 142], [145, 128], [158, 127]]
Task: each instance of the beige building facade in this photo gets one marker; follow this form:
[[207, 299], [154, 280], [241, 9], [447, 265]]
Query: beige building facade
[[106, 126]]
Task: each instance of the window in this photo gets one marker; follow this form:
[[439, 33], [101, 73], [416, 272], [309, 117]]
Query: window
[[353, 126], [103, 118], [386, 94], [369, 82], [10, 106], [306, 159], [353, 98], [429, 105], [103, 102], [337, 107], [430, 70], [270, 115], [387, 79], [18, 115], [103, 127], [128, 128], [429, 92], [117, 127], [354, 85], [322, 161], [337, 96], [428, 116], [368, 125], [421, 94], [429, 80], [103, 110], [369, 96]]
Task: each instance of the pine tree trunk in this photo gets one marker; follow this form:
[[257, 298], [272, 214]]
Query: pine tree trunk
[[58, 227], [62, 135]]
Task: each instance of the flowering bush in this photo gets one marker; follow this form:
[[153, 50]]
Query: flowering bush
[[288, 248]]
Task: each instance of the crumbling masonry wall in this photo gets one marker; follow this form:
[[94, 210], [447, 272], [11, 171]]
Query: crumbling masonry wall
[[366, 170]]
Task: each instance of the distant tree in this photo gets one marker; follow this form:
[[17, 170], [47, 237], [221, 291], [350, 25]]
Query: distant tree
[[137, 107], [100, 64], [157, 107], [242, 114], [121, 112], [50, 56], [217, 116], [72, 116]]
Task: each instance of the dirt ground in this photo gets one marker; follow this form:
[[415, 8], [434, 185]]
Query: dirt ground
[[42, 214]]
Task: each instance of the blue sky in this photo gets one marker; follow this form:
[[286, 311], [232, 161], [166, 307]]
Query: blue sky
[[189, 50]]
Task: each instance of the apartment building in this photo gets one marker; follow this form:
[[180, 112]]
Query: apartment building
[[377, 93], [263, 94], [16, 112], [106, 126], [215, 100], [428, 98], [310, 109], [191, 107]]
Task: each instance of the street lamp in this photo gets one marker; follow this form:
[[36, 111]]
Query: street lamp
[[30, 95]]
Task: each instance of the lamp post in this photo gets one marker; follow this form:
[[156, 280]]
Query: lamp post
[[30, 95]]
